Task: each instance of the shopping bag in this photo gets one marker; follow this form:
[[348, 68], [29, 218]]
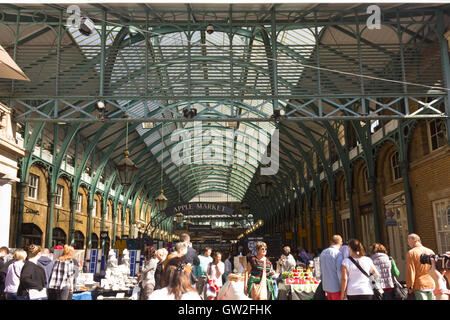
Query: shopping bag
[[259, 290]]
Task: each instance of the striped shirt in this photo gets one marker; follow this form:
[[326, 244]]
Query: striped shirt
[[62, 274], [258, 265]]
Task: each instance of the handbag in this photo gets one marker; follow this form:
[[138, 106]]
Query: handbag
[[400, 292], [259, 290], [374, 281], [35, 294], [211, 290], [319, 294]]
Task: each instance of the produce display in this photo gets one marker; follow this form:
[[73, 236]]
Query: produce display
[[300, 276]]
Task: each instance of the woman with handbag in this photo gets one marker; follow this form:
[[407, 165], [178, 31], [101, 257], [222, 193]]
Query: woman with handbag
[[33, 280], [216, 268], [383, 265], [355, 283], [147, 275], [12, 279], [257, 285]]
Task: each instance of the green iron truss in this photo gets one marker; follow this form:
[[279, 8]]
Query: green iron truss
[[321, 66]]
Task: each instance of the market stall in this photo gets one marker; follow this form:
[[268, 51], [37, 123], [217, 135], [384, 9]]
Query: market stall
[[297, 285], [118, 283]]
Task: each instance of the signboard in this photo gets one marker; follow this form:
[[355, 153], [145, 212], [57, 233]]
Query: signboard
[[93, 260], [391, 222], [251, 244], [199, 206], [194, 228], [134, 261]]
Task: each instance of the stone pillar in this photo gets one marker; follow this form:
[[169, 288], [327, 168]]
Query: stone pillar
[[22, 187], [5, 218], [10, 151]]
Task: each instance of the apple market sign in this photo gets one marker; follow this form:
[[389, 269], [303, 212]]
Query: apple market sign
[[199, 206]]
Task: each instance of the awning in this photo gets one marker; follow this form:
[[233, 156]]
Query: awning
[[9, 69]]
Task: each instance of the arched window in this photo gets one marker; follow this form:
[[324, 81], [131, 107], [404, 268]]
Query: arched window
[[395, 166], [59, 237], [31, 234], [33, 186], [79, 239], [94, 241]]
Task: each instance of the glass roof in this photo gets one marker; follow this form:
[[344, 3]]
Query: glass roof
[[249, 139]]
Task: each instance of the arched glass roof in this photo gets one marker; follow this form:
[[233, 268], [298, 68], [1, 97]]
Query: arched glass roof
[[245, 143]]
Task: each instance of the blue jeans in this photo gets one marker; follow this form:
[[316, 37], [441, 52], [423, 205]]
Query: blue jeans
[[11, 296]]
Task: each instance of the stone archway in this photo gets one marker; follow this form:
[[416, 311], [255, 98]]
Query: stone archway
[[31, 234]]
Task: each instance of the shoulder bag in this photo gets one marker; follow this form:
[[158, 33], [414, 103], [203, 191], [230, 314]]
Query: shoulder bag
[[259, 290], [400, 292], [374, 281]]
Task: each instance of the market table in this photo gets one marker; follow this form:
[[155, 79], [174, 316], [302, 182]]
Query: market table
[[97, 291], [296, 291]]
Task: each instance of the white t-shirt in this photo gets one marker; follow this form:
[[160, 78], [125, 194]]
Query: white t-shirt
[[12, 279], [216, 272], [357, 282], [163, 294]]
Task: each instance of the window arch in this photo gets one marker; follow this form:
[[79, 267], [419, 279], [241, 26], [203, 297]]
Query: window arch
[[94, 241], [59, 237], [31, 234], [79, 239]]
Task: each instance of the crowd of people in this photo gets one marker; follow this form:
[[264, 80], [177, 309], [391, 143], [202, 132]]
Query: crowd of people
[[33, 275], [346, 271]]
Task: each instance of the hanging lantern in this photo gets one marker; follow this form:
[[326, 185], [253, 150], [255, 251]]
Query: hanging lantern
[[179, 217], [161, 202], [245, 209], [126, 170], [264, 187]]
